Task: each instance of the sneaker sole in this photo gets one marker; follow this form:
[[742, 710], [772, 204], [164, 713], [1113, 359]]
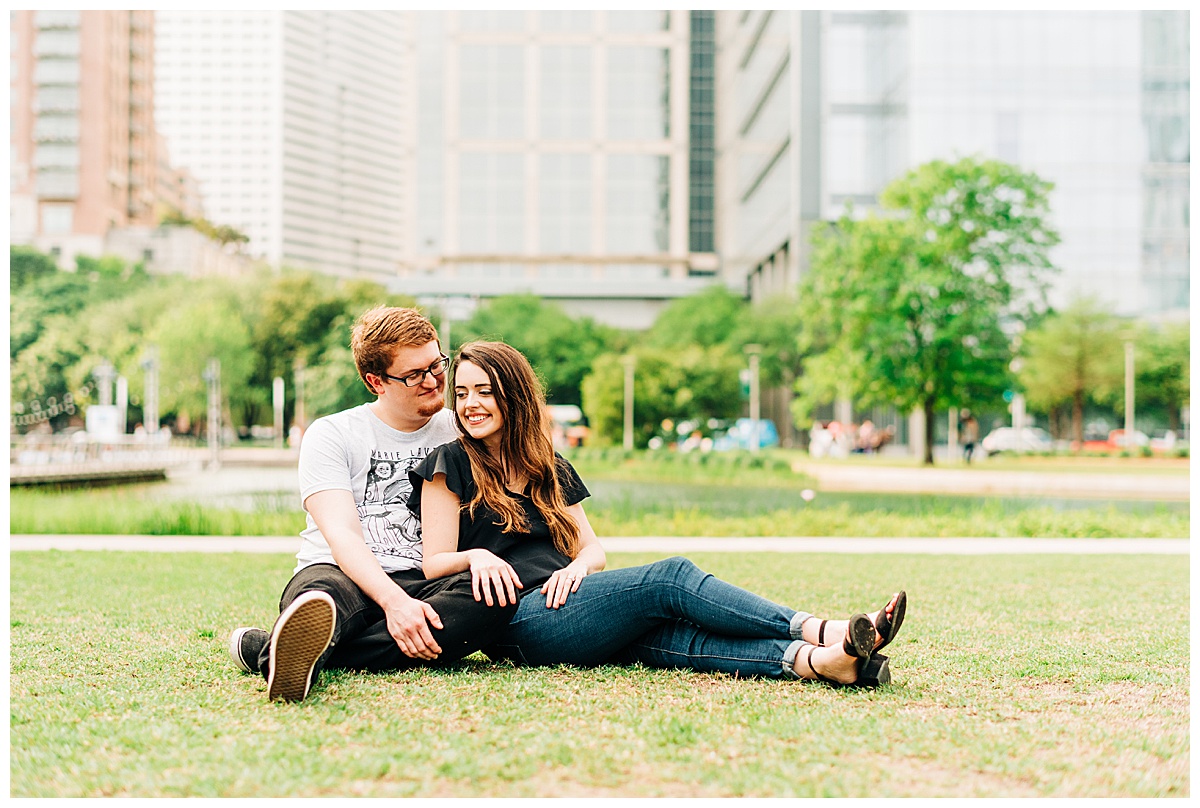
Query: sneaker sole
[[303, 634]]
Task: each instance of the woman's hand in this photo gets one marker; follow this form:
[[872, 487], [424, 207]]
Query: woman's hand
[[489, 571], [563, 582]]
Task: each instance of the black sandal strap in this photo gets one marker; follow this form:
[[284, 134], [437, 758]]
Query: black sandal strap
[[821, 634], [808, 661]]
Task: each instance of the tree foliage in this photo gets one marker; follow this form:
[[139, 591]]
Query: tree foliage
[[26, 264], [775, 324], [711, 317], [560, 348], [62, 326], [190, 333], [1163, 371], [1071, 357], [910, 309], [693, 382]]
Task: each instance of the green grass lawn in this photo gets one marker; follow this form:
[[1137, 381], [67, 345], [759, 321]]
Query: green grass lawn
[[1013, 676]]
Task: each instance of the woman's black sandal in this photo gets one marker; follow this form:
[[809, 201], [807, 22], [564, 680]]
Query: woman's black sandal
[[859, 643], [887, 627]]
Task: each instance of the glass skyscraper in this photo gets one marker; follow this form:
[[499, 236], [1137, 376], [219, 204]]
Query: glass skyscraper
[[825, 108]]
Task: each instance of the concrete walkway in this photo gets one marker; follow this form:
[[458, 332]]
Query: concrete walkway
[[976, 480], [649, 544]]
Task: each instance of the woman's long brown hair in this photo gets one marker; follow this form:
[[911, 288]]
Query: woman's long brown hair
[[525, 446]]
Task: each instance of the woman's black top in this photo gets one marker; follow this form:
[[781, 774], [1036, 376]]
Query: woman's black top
[[531, 554]]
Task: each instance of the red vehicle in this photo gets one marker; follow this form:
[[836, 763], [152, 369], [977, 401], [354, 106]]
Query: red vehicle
[[1115, 442]]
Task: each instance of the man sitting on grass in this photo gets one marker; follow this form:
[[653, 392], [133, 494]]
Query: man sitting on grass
[[358, 598]]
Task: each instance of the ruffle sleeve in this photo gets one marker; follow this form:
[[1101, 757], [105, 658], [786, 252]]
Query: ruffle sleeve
[[449, 459], [573, 489]]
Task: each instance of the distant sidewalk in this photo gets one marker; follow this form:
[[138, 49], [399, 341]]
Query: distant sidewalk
[[889, 479], [651, 544]]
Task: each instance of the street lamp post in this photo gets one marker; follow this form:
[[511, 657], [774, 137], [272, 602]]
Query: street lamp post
[[1129, 402], [628, 361], [298, 388], [122, 404], [1018, 401], [150, 381], [753, 350], [104, 376], [277, 399], [213, 377]]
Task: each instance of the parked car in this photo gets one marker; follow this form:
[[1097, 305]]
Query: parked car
[[1167, 441], [1116, 438], [741, 435], [1006, 439], [1114, 442]]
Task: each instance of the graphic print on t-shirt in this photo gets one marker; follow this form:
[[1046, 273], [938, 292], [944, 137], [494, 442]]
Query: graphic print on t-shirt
[[389, 527]]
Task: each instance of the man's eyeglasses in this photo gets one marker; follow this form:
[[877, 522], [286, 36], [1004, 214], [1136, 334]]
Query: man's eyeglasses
[[418, 376]]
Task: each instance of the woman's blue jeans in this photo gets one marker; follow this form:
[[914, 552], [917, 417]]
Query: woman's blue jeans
[[669, 614]]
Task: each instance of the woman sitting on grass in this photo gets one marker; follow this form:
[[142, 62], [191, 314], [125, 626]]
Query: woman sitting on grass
[[501, 503]]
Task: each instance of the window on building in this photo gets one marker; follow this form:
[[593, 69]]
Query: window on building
[[566, 102], [565, 203], [491, 203], [492, 20], [637, 203], [566, 21], [639, 83], [56, 71], [57, 220], [639, 21], [492, 92]]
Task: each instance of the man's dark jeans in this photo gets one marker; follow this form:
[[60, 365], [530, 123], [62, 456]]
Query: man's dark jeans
[[360, 635]]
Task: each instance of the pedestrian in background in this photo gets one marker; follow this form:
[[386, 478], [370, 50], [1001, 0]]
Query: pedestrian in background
[[970, 434]]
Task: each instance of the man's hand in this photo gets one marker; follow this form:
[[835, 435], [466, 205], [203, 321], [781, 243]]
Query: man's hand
[[408, 622]]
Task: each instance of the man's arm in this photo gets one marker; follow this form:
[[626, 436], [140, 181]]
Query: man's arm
[[408, 619]]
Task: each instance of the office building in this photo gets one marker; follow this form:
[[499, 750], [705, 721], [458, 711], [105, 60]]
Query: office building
[[564, 153], [291, 124], [818, 109]]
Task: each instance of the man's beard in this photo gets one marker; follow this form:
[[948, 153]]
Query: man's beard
[[430, 408]]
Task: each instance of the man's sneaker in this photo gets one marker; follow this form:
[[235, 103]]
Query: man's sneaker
[[245, 644], [301, 635]]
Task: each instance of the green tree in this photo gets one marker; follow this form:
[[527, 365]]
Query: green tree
[[909, 310], [108, 268], [1163, 370], [304, 317], [693, 382], [708, 318], [26, 264], [775, 324], [62, 324], [1071, 356], [560, 348], [188, 334]]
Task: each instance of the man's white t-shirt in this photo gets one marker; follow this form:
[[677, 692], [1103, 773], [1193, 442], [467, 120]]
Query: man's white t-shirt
[[355, 451]]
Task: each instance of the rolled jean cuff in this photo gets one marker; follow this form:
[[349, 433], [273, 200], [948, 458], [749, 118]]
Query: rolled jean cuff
[[789, 659], [796, 625]]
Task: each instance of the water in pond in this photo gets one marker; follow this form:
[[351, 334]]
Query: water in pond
[[277, 489]]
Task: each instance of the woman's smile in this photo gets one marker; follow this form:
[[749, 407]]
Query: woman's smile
[[476, 404]]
